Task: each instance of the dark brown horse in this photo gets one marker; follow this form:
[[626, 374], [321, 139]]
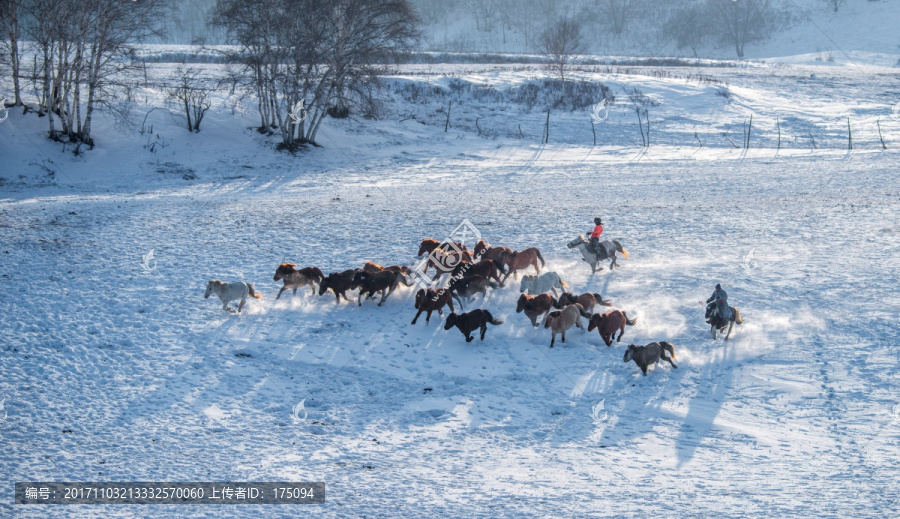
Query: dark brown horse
[[469, 286], [429, 245], [535, 306], [295, 279], [488, 269], [471, 321], [608, 323], [515, 261], [587, 300], [430, 300], [385, 282], [339, 283], [718, 323], [644, 356]]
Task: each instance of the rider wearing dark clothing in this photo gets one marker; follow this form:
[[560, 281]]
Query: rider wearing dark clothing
[[720, 300], [595, 234]]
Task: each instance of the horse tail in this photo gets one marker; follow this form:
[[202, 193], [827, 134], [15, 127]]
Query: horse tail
[[620, 248], [490, 319], [540, 257], [667, 346], [601, 301], [629, 322], [737, 315], [253, 291]]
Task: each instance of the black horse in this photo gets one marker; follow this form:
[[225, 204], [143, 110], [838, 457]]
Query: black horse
[[718, 323]]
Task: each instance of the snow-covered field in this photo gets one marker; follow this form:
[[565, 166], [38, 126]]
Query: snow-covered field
[[116, 369]]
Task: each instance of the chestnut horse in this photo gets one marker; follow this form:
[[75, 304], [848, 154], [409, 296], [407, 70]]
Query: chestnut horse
[[444, 262], [430, 300], [515, 261], [295, 279], [372, 268], [608, 323], [587, 300], [485, 252], [429, 245]]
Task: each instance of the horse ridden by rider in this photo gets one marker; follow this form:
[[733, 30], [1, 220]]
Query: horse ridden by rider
[[594, 251], [720, 315]]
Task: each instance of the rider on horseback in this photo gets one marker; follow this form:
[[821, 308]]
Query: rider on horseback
[[595, 234], [720, 300]]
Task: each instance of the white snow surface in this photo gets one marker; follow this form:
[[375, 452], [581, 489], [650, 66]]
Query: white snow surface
[[116, 369]]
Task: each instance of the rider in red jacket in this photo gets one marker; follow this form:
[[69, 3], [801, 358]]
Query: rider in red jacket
[[595, 234]]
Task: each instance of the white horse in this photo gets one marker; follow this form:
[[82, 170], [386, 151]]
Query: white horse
[[541, 284], [230, 291], [608, 250]]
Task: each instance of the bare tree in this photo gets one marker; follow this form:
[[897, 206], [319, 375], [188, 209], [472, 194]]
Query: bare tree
[[85, 47], [743, 21], [834, 4], [615, 13], [560, 42], [11, 16], [192, 94], [316, 52], [688, 27]]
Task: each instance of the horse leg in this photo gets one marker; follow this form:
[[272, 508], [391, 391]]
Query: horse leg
[[536, 268], [555, 293], [621, 333], [730, 326], [295, 290], [279, 293], [564, 336], [418, 314], [483, 330], [359, 299], [241, 305], [712, 331], [312, 287], [553, 339]]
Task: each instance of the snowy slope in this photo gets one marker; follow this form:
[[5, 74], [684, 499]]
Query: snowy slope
[[115, 368]]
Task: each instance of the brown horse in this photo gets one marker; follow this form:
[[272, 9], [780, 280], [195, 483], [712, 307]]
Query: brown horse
[[339, 283], [373, 268], [469, 286], [608, 323], [429, 245], [385, 282], [644, 356], [430, 300], [587, 300], [471, 321], [515, 261], [535, 306], [486, 252], [444, 262], [295, 279], [489, 269]]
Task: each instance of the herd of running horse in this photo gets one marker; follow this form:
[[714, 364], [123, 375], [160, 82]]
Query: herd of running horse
[[472, 273]]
